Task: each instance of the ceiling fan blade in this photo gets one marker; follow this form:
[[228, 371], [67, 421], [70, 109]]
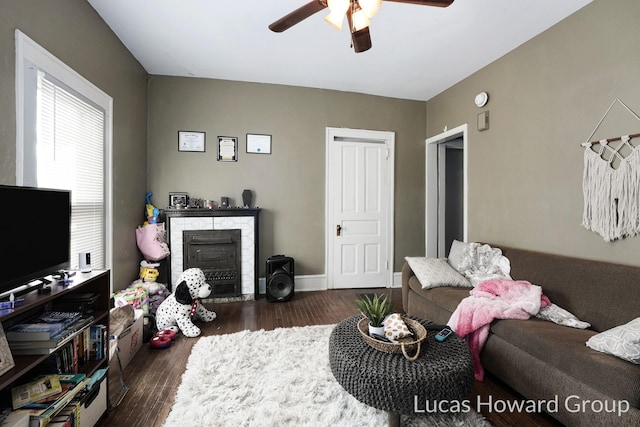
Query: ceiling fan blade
[[298, 15], [437, 3]]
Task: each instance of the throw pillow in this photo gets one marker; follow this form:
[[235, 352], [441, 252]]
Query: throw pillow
[[395, 328], [436, 272], [622, 341], [456, 254]]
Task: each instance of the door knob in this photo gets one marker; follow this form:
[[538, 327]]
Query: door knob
[[338, 230]]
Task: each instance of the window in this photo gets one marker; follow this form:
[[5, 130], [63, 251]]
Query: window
[[64, 141]]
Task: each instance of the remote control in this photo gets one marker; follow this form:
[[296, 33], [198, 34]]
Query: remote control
[[381, 338], [443, 334]]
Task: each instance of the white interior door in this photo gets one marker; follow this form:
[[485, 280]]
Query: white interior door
[[359, 208]]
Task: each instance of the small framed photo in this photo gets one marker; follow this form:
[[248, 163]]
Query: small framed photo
[[6, 358], [176, 199], [258, 143], [227, 149], [191, 141]]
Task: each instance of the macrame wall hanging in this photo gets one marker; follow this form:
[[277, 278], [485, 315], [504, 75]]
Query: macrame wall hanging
[[611, 184]]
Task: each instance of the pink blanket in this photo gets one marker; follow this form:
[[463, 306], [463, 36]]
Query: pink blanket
[[493, 299]]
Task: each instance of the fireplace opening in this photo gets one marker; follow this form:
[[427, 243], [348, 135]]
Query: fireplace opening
[[217, 254]]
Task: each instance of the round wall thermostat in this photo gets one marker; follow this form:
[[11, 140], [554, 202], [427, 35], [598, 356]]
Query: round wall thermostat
[[481, 99]]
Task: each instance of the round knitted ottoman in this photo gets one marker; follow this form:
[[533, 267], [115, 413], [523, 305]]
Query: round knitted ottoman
[[442, 373]]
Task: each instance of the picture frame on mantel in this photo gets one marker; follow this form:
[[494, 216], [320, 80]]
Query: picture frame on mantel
[[258, 143], [176, 199], [191, 141]]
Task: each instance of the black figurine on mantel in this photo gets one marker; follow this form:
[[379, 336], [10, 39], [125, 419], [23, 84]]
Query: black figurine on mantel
[[246, 198]]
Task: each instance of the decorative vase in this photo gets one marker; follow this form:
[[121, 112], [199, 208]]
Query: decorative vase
[[377, 330], [246, 198]]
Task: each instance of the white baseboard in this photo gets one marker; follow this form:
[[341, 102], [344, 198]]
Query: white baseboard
[[317, 282]]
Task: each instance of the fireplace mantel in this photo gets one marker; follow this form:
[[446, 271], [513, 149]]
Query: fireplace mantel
[[245, 219]]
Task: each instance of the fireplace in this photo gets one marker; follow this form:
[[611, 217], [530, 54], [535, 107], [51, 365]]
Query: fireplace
[[245, 219], [217, 254]]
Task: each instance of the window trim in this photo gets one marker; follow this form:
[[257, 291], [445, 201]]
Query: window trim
[[28, 50]]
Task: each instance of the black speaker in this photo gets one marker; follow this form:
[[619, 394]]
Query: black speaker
[[280, 273]]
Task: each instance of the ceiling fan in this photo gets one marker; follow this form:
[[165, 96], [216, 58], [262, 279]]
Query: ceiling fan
[[357, 12]]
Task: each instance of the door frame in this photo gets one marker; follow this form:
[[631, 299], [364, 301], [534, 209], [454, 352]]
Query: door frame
[[365, 136], [431, 237]]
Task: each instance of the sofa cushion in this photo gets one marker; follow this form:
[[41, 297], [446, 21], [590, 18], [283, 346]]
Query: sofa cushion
[[564, 348], [456, 254], [597, 292], [622, 341], [445, 297], [436, 272]]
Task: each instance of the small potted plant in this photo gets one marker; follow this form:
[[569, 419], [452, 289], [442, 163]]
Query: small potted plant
[[375, 310]]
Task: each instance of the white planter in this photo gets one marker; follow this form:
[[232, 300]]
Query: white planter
[[378, 330]]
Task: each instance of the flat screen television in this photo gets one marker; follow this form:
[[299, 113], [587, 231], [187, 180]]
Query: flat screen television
[[35, 228]]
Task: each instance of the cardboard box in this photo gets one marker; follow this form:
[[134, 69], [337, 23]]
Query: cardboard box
[[94, 404], [130, 340]]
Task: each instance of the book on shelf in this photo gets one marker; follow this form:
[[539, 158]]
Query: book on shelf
[[35, 390], [67, 381], [67, 317], [98, 342], [47, 346], [71, 356], [72, 378], [41, 419], [45, 402], [42, 327]]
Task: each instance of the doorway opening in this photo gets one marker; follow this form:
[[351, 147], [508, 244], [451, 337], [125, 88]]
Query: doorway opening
[[446, 201]]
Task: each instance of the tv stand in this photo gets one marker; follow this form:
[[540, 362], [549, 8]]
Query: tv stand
[[96, 282]]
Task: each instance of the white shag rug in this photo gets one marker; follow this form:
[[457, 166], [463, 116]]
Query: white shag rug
[[277, 378]]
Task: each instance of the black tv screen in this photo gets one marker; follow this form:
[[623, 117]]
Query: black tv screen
[[35, 227]]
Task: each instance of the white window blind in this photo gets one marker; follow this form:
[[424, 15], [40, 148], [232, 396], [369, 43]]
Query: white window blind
[[70, 153]]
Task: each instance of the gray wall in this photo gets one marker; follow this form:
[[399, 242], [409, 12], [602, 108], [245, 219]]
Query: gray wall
[[546, 97], [289, 184], [73, 32], [525, 171]]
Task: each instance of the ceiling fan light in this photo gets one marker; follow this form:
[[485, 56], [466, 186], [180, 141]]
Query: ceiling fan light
[[335, 20], [339, 6], [360, 20], [338, 10], [370, 7]]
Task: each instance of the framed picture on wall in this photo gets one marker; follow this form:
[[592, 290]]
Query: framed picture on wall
[[227, 149], [191, 141], [258, 143]]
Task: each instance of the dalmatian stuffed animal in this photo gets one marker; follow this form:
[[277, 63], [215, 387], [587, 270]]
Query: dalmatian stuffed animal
[[179, 309]]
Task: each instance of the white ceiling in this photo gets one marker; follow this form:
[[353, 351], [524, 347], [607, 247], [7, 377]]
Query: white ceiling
[[418, 51]]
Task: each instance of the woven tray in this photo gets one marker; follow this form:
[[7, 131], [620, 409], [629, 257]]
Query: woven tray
[[404, 346]]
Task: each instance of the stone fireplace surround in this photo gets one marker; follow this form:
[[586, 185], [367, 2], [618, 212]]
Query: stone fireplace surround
[[246, 220]]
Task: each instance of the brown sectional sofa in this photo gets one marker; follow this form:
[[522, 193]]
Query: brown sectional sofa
[[549, 364]]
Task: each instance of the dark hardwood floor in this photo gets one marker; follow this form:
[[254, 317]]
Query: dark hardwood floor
[[153, 376]]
